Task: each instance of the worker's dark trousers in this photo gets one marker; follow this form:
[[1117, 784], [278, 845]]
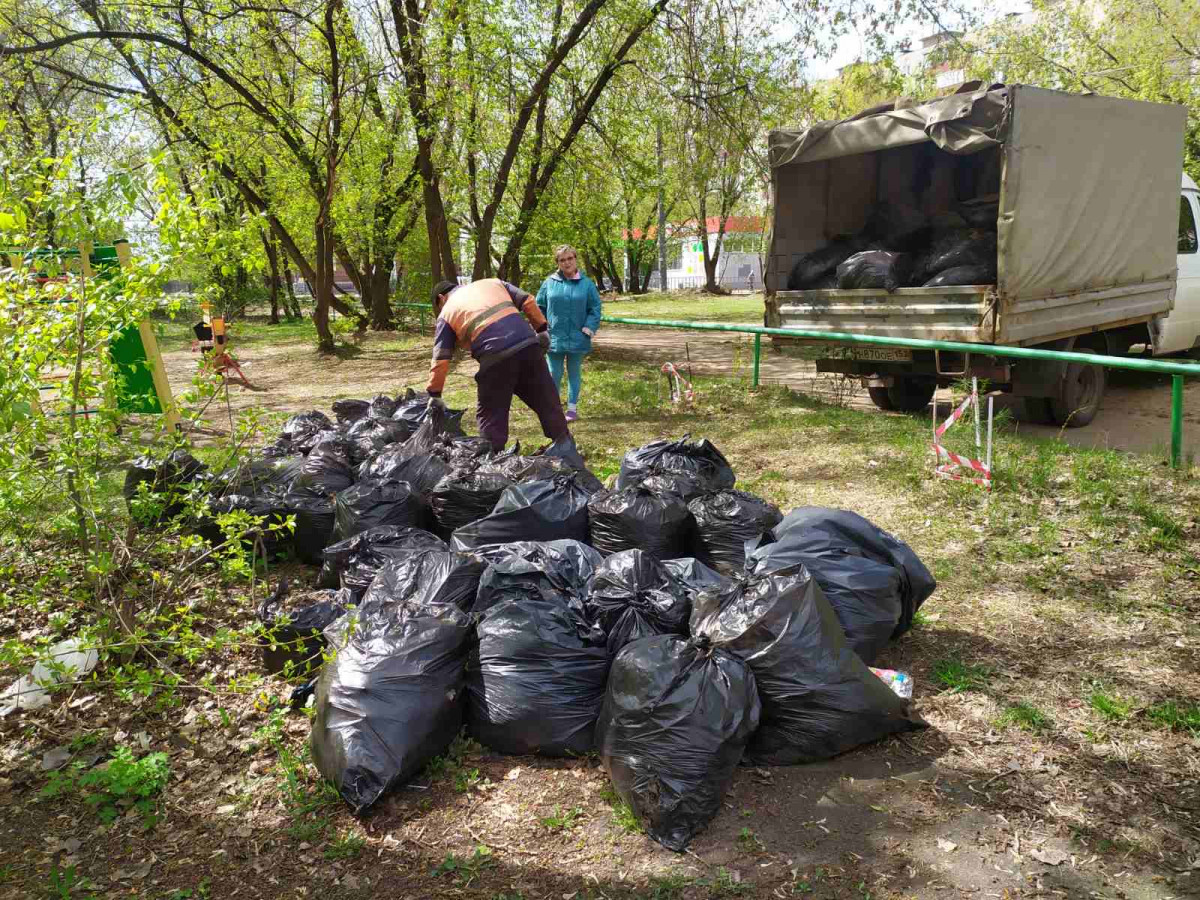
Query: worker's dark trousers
[[526, 375]]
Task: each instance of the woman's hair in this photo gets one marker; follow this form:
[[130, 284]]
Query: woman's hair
[[561, 249]]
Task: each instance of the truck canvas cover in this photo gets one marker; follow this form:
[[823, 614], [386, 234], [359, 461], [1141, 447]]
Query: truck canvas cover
[[1087, 187]]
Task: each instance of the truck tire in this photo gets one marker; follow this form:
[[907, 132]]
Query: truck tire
[[910, 394], [879, 396], [1038, 411], [1078, 399]]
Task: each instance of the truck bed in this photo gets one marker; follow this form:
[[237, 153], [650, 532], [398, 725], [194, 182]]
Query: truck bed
[[972, 314]]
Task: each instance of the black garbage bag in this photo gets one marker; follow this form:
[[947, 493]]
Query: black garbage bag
[[369, 436], [464, 452], [422, 470], [898, 226], [699, 461], [313, 525], [412, 413], [537, 511], [639, 517], [811, 269], [166, 480], [962, 247], [461, 497], [300, 431], [536, 679], [693, 576], [980, 274], [980, 213], [875, 269], [522, 469], [257, 475], [350, 411], [874, 581], [424, 578], [382, 406], [818, 698], [354, 562], [371, 503], [390, 700], [270, 536], [725, 521], [325, 471], [676, 718], [557, 571], [685, 487], [292, 638], [631, 595]]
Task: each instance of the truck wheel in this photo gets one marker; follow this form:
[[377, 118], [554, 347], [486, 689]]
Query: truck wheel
[[1038, 411], [879, 396], [1079, 398], [910, 394]]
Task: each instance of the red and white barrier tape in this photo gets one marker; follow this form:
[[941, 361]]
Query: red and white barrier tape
[[681, 389], [955, 462]]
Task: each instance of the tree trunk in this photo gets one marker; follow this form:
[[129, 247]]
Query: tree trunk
[[273, 279], [323, 285], [290, 304], [380, 288]]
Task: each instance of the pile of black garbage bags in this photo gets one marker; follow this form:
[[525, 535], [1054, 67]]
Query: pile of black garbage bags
[[903, 247], [672, 623]]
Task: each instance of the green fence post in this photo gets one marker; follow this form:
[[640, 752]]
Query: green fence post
[[1176, 421], [757, 357]]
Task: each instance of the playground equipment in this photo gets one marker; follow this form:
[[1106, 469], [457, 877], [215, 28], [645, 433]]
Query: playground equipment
[[139, 384]]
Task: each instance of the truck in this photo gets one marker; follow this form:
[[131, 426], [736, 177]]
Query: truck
[[1094, 227]]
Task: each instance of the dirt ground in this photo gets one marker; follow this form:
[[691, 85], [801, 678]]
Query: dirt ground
[[1136, 413], [969, 808]]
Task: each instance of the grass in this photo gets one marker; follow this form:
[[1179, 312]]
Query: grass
[[345, 846], [560, 820], [690, 305], [959, 676], [1177, 716], [623, 815], [1109, 706], [1025, 716]]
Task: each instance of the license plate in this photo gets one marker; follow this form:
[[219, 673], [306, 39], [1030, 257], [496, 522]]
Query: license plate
[[877, 354]]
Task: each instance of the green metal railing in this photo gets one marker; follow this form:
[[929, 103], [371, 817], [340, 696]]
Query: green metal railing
[[1177, 371]]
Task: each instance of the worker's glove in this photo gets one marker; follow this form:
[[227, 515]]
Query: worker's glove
[[588, 332], [544, 341], [436, 403]]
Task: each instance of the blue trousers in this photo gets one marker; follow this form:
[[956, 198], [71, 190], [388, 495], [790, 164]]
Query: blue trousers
[[574, 373]]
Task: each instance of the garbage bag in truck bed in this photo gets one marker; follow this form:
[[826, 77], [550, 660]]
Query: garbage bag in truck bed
[[875, 269]]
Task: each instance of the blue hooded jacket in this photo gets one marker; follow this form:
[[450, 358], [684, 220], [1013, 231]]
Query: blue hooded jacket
[[569, 307]]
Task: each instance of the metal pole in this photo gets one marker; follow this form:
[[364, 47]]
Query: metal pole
[[1176, 421], [757, 357], [662, 218], [975, 398]]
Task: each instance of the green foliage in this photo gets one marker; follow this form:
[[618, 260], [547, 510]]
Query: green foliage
[[465, 871], [726, 884], [122, 783], [749, 842], [1109, 706], [1025, 716], [346, 846], [560, 820], [959, 676], [623, 814], [67, 884], [1177, 716]]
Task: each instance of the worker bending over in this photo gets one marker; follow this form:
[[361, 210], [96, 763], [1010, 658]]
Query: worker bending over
[[486, 316]]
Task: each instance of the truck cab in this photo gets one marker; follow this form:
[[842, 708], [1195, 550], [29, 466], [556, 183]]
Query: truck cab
[[1179, 331]]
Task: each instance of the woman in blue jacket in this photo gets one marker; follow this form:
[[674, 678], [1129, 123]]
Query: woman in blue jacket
[[571, 304]]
